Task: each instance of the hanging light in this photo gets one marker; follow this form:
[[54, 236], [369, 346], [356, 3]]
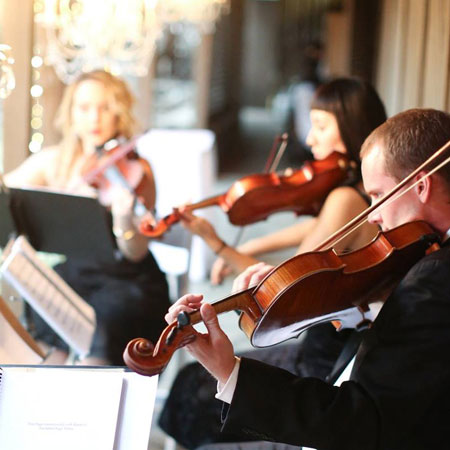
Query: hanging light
[[7, 79], [116, 35], [202, 13], [83, 35]]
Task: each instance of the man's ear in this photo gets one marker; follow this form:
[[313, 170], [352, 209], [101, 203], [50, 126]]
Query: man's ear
[[423, 186]]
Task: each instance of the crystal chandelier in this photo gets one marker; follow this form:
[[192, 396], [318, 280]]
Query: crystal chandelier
[[116, 35], [82, 35], [7, 79], [202, 13]]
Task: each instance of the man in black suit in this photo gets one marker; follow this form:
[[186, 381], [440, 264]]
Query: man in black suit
[[398, 394]]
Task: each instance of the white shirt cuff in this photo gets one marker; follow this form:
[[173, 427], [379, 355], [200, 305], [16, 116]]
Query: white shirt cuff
[[225, 391]]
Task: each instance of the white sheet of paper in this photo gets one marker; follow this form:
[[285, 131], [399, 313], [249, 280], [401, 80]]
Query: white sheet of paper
[[135, 418], [60, 306], [56, 408]]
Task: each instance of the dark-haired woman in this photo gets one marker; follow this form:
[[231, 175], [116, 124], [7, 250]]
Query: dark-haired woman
[[343, 113]]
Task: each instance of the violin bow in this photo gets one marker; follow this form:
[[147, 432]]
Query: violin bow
[[388, 198], [276, 152]]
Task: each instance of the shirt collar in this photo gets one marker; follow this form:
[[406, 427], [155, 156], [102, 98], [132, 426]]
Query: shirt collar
[[446, 236]]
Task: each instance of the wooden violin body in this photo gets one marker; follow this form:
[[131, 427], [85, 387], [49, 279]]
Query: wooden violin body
[[255, 197], [303, 291], [117, 165]]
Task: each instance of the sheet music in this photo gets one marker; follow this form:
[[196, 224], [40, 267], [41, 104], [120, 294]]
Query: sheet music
[[47, 293], [58, 408], [136, 412], [74, 408]]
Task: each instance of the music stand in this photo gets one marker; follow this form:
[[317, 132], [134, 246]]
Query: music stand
[[75, 226]]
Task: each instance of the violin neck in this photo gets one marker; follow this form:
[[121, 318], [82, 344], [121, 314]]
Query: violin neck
[[240, 301], [211, 201], [122, 151], [114, 157]]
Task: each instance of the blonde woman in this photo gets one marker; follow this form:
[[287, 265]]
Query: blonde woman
[[130, 295]]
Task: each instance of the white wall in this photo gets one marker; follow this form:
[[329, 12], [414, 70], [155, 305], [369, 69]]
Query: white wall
[[413, 68]]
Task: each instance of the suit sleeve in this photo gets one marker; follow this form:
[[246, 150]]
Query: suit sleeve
[[274, 405], [402, 367]]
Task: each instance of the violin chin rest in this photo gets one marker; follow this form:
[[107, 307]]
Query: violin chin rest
[[354, 318]]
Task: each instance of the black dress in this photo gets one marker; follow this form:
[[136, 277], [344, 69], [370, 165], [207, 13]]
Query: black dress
[[130, 300]]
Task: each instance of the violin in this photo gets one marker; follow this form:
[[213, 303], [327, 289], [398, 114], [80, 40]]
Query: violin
[[117, 164], [255, 197], [305, 290], [310, 288]]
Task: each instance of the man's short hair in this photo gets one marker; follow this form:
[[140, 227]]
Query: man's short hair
[[409, 138]]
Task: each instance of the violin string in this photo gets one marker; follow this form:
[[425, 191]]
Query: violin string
[[363, 216]]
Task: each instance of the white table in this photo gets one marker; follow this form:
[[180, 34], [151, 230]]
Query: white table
[[184, 163]]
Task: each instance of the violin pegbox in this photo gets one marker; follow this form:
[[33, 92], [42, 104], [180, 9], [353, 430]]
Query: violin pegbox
[[147, 359], [183, 320]]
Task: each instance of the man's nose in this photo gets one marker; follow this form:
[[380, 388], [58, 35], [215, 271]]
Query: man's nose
[[374, 217]]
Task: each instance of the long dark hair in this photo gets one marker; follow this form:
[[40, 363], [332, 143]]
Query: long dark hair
[[357, 107]]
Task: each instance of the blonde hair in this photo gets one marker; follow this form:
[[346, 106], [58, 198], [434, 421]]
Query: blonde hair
[[122, 101]]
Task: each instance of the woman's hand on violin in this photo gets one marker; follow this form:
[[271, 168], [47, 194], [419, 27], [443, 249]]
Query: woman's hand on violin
[[219, 271], [212, 349], [251, 276], [199, 226]]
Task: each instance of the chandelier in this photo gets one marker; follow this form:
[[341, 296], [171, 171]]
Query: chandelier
[[7, 79], [202, 13], [82, 35], [117, 35]]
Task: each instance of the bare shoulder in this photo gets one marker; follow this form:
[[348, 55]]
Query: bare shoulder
[[344, 194], [47, 154], [344, 202], [45, 159], [35, 169]]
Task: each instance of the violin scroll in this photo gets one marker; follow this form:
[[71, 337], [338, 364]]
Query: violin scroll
[[147, 359]]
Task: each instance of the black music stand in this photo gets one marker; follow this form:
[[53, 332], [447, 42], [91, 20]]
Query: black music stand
[[78, 227]]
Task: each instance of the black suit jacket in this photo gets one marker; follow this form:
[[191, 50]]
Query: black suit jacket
[[398, 396]]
